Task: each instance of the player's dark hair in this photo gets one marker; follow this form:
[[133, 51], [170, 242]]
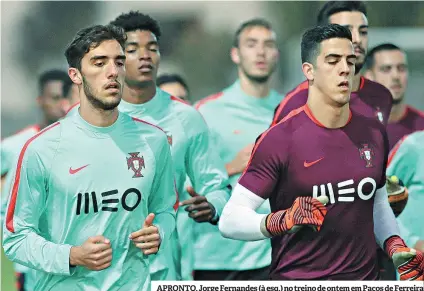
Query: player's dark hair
[[171, 78], [53, 75], [312, 38], [256, 22], [135, 20], [90, 38], [370, 58], [333, 7]]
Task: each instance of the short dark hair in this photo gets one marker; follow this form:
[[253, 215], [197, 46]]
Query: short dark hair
[[53, 75], [250, 23], [370, 58], [313, 37], [135, 20], [171, 78], [89, 38], [333, 7]]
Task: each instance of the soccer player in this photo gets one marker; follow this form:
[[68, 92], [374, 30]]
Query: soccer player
[[236, 116], [174, 85], [322, 149], [53, 89], [53, 85], [387, 64], [405, 161], [368, 98], [188, 136], [93, 193]]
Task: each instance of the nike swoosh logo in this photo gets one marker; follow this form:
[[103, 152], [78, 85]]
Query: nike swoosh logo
[[307, 165], [71, 171]]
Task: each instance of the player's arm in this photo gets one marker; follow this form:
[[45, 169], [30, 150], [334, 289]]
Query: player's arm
[[206, 170], [409, 262], [163, 196], [403, 163], [22, 242], [267, 165]]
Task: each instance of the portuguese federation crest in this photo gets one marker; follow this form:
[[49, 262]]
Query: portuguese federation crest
[[136, 163], [367, 153]]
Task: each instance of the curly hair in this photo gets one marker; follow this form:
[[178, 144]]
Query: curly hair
[[135, 20]]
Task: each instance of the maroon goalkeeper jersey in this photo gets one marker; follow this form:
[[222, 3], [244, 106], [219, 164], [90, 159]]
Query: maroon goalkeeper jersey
[[300, 157]]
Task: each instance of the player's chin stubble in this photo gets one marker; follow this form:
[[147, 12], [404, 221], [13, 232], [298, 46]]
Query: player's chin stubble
[[95, 101]]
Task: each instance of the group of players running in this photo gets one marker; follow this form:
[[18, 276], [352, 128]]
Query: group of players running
[[125, 182]]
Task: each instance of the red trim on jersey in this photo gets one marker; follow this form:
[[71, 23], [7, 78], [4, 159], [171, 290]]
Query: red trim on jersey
[[140, 120], [302, 86], [72, 107], [361, 84], [209, 98], [175, 185], [180, 100], [312, 117], [415, 110], [290, 115], [34, 126], [394, 150], [177, 202], [14, 194]]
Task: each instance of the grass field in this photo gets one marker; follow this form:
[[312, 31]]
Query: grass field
[[7, 274]]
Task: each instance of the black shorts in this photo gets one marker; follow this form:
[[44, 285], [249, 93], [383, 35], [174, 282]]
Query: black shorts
[[232, 275]]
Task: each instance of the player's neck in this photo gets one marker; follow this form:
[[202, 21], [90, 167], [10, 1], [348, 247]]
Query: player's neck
[[138, 95], [251, 88], [97, 117], [397, 112], [356, 82], [326, 114]]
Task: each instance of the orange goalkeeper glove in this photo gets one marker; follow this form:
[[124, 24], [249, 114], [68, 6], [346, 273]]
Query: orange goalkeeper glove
[[305, 211], [408, 262]]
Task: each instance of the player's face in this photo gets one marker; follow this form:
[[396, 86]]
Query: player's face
[[175, 89], [334, 70], [102, 75], [51, 101], [257, 54], [357, 22], [391, 70], [143, 58]]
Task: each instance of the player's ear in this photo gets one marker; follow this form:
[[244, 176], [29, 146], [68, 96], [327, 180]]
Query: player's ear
[[75, 76], [308, 71], [235, 56], [369, 75]]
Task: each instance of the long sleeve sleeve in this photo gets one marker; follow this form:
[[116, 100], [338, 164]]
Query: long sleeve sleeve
[[206, 169], [163, 196], [22, 241]]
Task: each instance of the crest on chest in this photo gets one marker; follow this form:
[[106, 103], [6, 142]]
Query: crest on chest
[[136, 164]]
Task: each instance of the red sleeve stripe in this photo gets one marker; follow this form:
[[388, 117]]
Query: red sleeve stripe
[[209, 98], [177, 202], [72, 107], [304, 85], [145, 122], [394, 150], [179, 100], [290, 115], [14, 194]]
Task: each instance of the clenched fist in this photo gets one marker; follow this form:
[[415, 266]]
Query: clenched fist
[[147, 238]]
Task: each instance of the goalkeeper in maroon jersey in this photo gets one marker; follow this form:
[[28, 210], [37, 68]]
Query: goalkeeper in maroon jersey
[[323, 170]]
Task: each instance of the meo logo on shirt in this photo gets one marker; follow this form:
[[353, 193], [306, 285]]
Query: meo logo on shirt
[[129, 201], [345, 191]]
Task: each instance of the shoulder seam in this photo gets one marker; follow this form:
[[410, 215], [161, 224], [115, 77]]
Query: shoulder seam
[[208, 99]]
